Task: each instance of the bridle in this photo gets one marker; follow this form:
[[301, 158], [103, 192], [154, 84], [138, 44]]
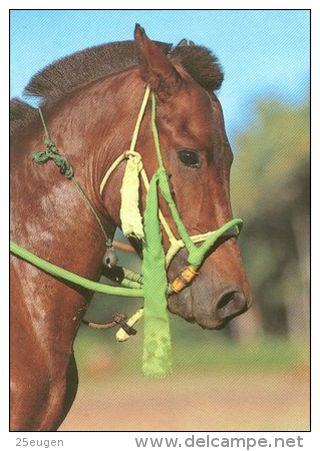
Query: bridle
[[152, 285], [134, 227]]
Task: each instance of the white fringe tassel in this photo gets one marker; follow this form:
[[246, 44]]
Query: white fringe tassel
[[131, 219]]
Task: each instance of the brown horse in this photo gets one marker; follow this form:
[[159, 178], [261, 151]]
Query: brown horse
[[91, 100]]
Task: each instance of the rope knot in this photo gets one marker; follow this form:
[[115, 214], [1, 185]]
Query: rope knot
[[135, 156], [52, 153]]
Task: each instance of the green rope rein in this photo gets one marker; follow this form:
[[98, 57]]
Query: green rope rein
[[69, 276]]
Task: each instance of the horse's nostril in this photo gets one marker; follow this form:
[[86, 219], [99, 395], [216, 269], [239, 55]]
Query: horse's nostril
[[231, 304]]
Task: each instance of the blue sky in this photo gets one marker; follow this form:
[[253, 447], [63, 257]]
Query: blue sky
[[263, 53]]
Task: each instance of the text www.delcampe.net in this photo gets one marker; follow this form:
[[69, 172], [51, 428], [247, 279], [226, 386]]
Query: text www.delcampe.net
[[210, 441]]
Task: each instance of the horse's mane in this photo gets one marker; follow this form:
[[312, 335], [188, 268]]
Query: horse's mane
[[67, 74]]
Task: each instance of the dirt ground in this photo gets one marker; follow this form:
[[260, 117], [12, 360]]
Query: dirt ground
[[193, 402]]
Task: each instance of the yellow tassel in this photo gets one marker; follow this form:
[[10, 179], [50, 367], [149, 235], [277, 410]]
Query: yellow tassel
[[131, 219]]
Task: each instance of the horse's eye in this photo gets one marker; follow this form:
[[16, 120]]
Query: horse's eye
[[189, 158]]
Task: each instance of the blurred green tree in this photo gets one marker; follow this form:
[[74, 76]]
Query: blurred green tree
[[270, 190]]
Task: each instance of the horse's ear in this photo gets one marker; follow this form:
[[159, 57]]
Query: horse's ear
[[155, 67]]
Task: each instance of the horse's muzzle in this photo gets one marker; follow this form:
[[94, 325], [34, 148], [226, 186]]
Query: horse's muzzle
[[208, 315], [214, 297]]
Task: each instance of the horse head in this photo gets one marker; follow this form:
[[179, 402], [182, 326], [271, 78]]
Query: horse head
[[197, 156]]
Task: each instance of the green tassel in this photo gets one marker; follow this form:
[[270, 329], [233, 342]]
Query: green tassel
[[156, 359], [131, 220]]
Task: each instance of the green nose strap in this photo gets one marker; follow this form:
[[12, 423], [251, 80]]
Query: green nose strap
[[196, 254]]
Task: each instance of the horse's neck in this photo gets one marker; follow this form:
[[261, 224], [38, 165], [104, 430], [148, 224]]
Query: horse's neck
[[50, 218]]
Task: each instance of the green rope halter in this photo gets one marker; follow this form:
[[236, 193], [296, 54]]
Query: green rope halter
[[152, 285], [51, 153]]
